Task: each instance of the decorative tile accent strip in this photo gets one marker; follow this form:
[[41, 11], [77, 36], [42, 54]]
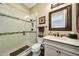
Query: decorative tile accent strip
[[1, 14], [22, 32]]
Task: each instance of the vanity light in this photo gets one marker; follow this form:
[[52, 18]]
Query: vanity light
[[55, 5]]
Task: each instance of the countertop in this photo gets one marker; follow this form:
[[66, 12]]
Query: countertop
[[66, 40]]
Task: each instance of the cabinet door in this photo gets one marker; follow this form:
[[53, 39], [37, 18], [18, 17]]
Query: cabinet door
[[50, 51], [65, 53]]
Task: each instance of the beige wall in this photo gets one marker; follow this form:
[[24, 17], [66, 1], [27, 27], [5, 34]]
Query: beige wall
[[44, 9]]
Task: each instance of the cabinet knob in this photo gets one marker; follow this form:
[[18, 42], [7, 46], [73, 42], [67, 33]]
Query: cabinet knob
[[57, 51]]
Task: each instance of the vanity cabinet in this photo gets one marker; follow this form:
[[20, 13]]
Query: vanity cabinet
[[52, 51], [55, 48]]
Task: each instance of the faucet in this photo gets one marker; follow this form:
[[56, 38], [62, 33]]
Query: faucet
[[57, 34]]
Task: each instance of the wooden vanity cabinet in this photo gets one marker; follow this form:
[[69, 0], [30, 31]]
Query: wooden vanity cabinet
[[53, 48]]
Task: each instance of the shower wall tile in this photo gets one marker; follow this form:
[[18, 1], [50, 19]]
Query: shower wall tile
[[6, 9], [28, 26], [10, 42], [30, 38], [11, 25]]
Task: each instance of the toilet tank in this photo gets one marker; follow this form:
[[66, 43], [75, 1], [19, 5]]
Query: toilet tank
[[40, 40]]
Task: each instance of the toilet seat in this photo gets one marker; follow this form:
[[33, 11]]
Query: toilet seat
[[36, 46]]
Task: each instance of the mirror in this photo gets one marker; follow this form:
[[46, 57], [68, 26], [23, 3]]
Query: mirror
[[77, 17], [61, 19], [58, 19]]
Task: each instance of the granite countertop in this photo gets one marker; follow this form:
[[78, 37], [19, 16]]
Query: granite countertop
[[66, 40]]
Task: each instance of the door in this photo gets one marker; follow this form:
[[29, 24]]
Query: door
[[65, 53]]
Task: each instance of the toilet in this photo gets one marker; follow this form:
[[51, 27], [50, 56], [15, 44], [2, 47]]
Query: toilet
[[36, 47]]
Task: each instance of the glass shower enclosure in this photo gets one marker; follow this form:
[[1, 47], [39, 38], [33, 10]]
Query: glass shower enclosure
[[16, 32]]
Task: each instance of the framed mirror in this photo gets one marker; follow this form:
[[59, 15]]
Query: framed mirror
[[61, 19], [77, 17]]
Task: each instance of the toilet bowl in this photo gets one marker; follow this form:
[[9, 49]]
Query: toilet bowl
[[36, 47]]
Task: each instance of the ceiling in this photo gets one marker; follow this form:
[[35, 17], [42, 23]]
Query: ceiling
[[29, 5]]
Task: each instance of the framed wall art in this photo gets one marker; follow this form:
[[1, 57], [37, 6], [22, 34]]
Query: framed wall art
[[42, 20]]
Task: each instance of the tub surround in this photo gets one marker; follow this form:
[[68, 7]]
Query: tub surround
[[19, 51], [15, 28], [15, 53]]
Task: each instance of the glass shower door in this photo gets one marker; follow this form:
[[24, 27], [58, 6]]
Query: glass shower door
[[30, 35]]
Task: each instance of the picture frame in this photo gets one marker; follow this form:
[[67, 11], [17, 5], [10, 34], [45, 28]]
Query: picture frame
[[53, 5], [42, 20], [77, 17], [68, 19]]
